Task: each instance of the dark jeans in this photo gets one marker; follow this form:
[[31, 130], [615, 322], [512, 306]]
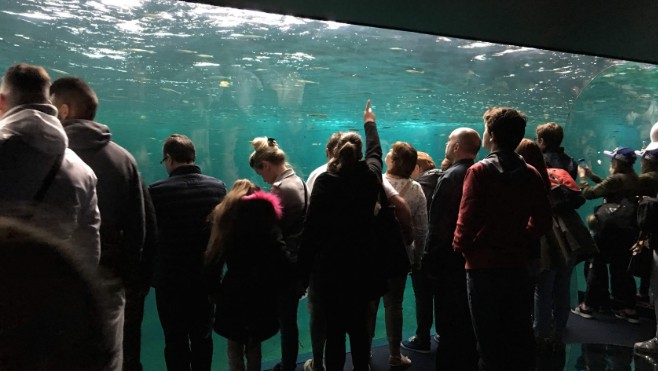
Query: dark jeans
[[186, 318], [425, 305], [132, 329], [622, 284], [287, 308], [346, 316], [457, 348], [499, 300]]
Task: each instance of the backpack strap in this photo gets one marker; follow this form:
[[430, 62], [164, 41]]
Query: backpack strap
[[48, 180]]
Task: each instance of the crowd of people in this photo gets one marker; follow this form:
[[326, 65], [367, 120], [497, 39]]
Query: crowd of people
[[490, 246]]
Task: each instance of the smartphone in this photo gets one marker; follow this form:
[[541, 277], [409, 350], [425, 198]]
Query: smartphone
[[582, 163]]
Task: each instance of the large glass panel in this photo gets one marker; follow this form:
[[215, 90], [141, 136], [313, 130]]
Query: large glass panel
[[223, 76]]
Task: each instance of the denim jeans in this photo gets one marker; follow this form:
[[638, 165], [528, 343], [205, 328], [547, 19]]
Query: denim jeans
[[552, 301], [425, 305], [501, 310]]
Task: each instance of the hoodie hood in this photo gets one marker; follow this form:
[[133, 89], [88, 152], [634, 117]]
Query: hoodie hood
[[86, 134], [37, 125], [509, 165]]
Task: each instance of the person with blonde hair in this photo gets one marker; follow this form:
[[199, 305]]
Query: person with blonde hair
[[246, 240], [269, 161]]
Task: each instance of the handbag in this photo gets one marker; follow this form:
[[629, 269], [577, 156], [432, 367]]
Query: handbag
[[640, 264], [390, 256]]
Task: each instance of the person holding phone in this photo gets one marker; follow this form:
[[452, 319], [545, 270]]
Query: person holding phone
[[614, 242], [549, 140]]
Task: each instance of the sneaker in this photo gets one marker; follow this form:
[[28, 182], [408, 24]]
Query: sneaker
[[414, 344], [647, 347], [308, 366], [582, 311], [400, 361], [629, 317], [436, 338]]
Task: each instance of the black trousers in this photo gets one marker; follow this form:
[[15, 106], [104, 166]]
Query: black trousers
[[132, 329], [499, 299], [186, 318], [457, 348], [346, 316]]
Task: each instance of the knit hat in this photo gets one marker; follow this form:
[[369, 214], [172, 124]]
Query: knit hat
[[623, 154]]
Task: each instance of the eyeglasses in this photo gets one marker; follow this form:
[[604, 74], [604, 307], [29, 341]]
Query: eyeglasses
[[163, 160]]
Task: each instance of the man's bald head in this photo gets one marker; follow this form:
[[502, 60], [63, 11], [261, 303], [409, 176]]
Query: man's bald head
[[463, 143]]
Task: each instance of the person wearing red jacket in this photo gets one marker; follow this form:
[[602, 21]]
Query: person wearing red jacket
[[504, 205]]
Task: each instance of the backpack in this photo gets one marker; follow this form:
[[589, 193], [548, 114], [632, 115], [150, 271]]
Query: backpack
[[647, 215], [390, 257], [565, 193]]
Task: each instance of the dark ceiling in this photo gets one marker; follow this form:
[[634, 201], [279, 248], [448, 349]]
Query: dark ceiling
[[615, 29]]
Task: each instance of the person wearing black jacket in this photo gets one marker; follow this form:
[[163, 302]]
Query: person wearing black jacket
[[445, 267], [338, 243], [137, 291], [182, 205], [549, 139], [119, 190]]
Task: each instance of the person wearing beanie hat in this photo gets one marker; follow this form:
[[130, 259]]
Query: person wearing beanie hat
[[622, 185]]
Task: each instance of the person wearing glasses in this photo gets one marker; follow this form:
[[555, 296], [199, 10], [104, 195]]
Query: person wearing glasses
[[182, 204]]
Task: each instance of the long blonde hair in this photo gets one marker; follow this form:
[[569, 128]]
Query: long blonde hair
[[222, 219]]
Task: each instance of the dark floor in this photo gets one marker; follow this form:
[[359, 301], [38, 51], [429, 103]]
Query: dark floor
[[600, 344]]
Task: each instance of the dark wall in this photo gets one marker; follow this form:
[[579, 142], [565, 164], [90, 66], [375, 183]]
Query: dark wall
[[616, 29]]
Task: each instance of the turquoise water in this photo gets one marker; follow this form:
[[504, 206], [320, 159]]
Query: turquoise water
[[224, 76]]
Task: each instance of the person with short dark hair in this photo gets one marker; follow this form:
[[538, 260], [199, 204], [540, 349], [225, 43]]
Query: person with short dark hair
[[119, 189], [41, 180], [504, 204], [549, 139], [182, 205]]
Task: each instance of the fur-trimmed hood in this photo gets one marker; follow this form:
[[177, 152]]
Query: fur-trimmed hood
[[269, 197]]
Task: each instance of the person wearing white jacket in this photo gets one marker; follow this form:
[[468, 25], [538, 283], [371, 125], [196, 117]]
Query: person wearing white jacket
[[41, 180]]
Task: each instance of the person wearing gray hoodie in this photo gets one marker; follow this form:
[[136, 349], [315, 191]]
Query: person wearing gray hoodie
[[41, 180], [120, 197]]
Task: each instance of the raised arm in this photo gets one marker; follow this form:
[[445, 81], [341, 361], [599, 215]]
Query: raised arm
[[373, 146]]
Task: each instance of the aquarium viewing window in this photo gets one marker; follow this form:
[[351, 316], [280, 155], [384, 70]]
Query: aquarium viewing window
[[223, 76]]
